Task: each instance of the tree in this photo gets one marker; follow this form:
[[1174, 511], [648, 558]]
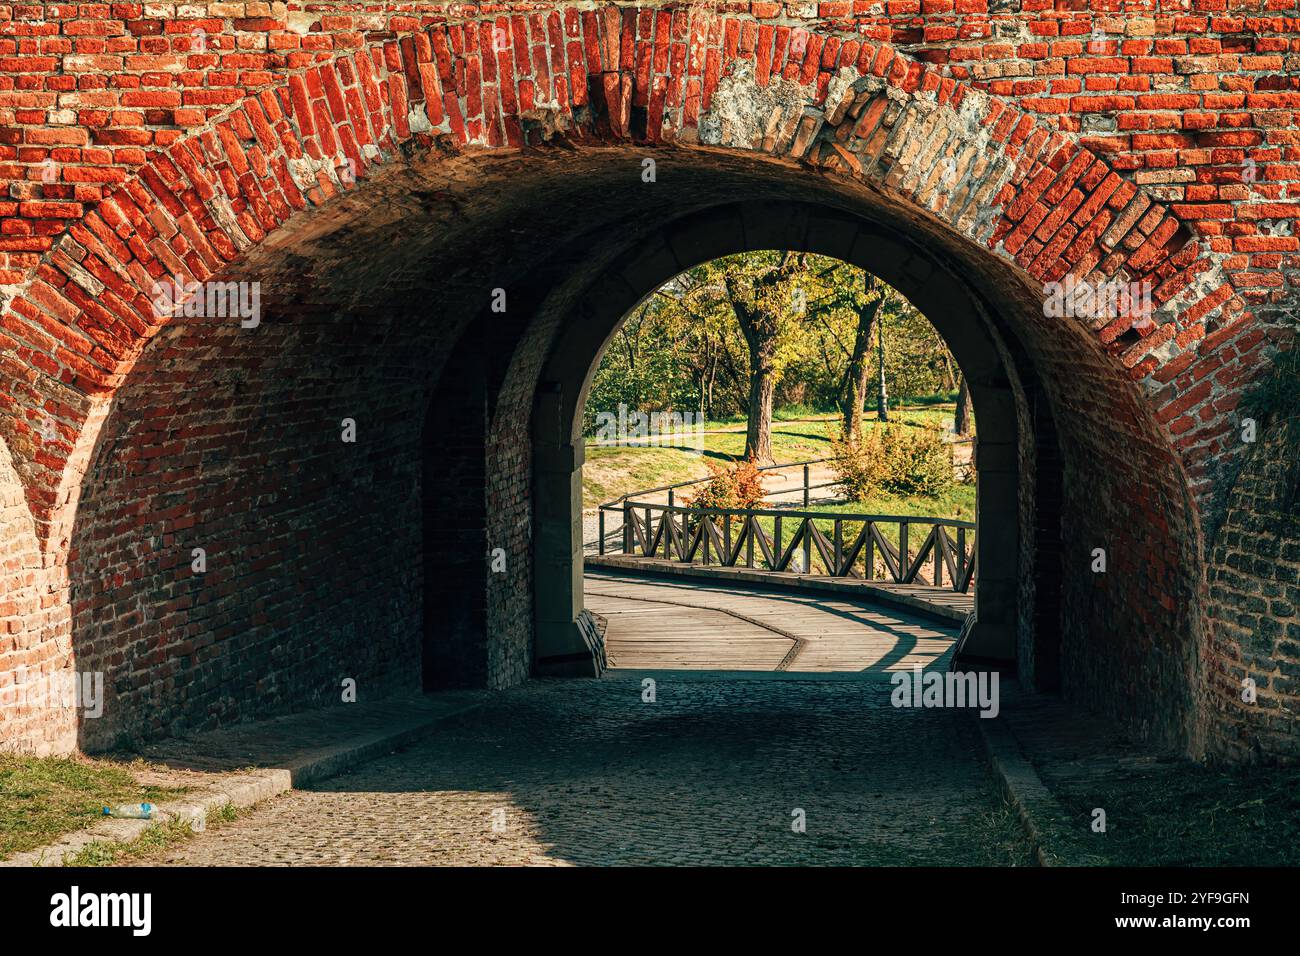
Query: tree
[[745, 333], [854, 391], [758, 310], [882, 394], [961, 423], [765, 296]]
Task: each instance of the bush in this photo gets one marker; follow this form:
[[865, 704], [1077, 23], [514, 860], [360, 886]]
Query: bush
[[738, 485], [918, 462], [859, 469], [895, 459]]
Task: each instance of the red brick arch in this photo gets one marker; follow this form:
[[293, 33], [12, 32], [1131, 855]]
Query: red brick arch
[[665, 78], [1034, 196]]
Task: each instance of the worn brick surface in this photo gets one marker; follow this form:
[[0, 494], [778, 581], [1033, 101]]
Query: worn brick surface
[[303, 145], [1255, 602]]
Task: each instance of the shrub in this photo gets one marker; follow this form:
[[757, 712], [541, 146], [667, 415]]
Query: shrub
[[895, 459], [738, 485], [859, 469], [917, 461]]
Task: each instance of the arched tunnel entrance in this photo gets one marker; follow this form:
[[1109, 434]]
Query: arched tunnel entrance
[[330, 559], [1003, 384]]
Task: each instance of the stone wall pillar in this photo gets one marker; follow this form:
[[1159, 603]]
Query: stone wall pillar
[[566, 640]]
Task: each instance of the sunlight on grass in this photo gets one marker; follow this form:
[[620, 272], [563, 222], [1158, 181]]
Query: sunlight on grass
[[612, 471], [42, 798], [158, 837]]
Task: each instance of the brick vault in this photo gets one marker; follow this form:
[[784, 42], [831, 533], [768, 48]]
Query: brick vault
[[380, 171]]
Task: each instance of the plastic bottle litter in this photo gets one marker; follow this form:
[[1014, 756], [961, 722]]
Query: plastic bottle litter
[[131, 811]]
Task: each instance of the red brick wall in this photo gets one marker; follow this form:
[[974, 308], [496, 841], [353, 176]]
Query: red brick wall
[[230, 440], [1254, 578], [131, 149]]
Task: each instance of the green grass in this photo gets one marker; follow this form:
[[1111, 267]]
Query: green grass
[[613, 471], [1005, 842], [43, 798], [158, 837], [958, 504]]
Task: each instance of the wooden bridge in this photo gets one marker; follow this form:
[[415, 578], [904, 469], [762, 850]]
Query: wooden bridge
[[778, 539], [656, 623], [776, 588]]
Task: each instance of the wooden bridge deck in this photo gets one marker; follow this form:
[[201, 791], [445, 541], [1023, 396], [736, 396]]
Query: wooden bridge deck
[[656, 624]]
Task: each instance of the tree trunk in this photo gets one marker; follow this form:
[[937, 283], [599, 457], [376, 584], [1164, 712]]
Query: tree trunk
[[760, 331], [758, 427], [882, 395], [708, 388], [950, 378], [854, 395], [962, 423]]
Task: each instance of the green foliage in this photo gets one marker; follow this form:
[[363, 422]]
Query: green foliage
[[895, 459], [645, 366], [683, 348], [860, 468], [919, 462], [736, 485]]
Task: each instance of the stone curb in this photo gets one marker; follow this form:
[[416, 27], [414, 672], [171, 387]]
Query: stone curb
[[863, 591], [1024, 789], [241, 790]]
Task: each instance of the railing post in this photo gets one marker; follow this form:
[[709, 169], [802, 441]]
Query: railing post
[[870, 548], [668, 516], [704, 537], [938, 557], [807, 546], [777, 555], [903, 562], [646, 548], [627, 527], [839, 547], [601, 545], [749, 542], [961, 558], [726, 538], [805, 486]]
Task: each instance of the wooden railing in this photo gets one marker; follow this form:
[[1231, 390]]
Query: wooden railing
[[672, 489], [723, 536]]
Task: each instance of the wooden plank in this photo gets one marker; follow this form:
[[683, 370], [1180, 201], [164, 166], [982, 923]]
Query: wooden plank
[[659, 624]]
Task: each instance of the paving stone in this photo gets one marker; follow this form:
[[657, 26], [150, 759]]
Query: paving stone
[[588, 773]]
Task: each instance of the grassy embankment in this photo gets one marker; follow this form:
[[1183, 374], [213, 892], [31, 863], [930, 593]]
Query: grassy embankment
[[615, 470], [43, 798]]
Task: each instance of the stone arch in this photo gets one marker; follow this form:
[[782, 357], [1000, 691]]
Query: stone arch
[[1254, 604], [262, 182], [1025, 364], [82, 317], [594, 313]]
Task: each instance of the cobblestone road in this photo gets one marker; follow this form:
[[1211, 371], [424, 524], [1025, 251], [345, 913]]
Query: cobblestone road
[[711, 772]]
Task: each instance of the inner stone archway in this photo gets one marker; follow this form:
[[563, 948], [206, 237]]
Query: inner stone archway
[[964, 321]]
